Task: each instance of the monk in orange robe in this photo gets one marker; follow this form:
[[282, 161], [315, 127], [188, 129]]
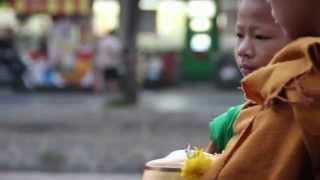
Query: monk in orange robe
[[277, 133]]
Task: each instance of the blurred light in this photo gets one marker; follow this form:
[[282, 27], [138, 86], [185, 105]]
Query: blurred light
[[222, 21], [203, 8], [200, 24], [200, 43], [148, 5], [106, 15], [106, 6], [8, 18], [171, 18], [38, 24], [171, 6]]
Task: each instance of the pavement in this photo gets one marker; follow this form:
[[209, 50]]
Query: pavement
[[81, 176], [76, 133]]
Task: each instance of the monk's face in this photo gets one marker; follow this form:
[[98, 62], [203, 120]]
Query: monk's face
[[259, 37], [295, 16]]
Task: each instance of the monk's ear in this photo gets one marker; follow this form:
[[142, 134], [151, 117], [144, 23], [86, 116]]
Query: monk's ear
[[314, 52]]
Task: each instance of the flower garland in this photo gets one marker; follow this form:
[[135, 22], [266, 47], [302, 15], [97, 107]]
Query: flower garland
[[197, 164]]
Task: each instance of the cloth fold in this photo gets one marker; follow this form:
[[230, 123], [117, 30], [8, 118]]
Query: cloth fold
[[277, 133]]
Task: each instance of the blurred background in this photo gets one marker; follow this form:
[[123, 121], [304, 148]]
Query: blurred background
[[93, 89]]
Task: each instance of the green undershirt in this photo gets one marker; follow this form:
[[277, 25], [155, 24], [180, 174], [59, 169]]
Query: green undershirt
[[221, 128]]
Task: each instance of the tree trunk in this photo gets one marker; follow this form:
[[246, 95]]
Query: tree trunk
[[128, 33]]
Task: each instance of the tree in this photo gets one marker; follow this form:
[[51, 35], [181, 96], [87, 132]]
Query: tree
[[129, 19]]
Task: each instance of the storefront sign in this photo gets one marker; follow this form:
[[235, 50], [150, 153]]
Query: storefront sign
[[54, 7]]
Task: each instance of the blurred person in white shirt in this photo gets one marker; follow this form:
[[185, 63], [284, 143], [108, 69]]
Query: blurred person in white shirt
[[108, 63]]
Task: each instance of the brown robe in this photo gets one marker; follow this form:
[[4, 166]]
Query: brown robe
[[277, 134]]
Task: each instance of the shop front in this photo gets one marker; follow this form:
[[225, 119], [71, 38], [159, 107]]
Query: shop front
[[55, 41]]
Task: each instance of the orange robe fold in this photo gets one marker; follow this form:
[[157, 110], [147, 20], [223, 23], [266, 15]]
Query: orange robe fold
[[277, 134]]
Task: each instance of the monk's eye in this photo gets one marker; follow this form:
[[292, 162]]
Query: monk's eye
[[262, 37]]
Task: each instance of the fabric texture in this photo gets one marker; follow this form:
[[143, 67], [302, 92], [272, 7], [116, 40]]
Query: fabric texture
[[277, 133]]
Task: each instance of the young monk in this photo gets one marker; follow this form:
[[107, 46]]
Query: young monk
[[258, 39], [277, 133]]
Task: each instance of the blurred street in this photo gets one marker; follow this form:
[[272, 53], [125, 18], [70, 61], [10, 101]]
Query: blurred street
[[168, 47], [77, 132], [48, 176]]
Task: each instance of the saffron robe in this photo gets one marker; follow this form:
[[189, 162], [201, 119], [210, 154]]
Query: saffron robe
[[277, 133]]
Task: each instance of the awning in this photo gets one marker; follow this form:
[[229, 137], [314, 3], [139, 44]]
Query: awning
[[54, 7]]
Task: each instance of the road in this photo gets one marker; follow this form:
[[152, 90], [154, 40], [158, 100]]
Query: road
[[76, 132], [46, 176]]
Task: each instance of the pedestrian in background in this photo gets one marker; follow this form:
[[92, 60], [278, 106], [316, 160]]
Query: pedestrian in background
[[108, 63], [9, 57]]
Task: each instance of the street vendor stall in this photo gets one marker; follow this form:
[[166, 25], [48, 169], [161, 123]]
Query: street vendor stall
[[56, 42]]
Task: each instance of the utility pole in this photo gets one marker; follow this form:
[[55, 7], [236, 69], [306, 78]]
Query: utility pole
[[129, 19]]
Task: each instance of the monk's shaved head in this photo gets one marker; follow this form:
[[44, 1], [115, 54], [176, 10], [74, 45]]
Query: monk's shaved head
[[297, 17]]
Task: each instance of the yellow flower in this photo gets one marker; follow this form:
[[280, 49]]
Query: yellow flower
[[197, 164]]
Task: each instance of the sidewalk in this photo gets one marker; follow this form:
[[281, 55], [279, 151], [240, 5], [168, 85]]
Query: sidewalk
[[47, 176], [73, 132]]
